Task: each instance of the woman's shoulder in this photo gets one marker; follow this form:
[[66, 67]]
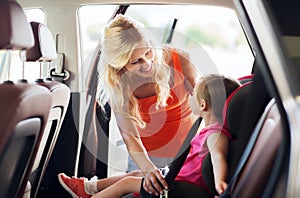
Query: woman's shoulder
[[169, 50]]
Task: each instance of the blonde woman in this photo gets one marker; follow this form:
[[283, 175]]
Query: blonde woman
[[147, 87]]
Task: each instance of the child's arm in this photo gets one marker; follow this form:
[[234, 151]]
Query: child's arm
[[218, 146]]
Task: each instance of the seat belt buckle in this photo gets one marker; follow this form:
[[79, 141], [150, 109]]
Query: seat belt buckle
[[164, 171], [164, 195]]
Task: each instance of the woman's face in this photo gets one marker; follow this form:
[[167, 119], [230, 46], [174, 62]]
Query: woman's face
[[141, 61]]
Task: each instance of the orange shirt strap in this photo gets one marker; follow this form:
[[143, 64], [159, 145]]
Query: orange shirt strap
[[176, 61]]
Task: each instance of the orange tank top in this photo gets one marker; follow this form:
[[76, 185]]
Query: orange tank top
[[166, 128]]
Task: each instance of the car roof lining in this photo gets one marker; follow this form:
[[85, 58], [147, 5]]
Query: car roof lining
[[35, 3]]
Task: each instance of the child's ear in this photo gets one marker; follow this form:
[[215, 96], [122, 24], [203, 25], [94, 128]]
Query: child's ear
[[203, 105]]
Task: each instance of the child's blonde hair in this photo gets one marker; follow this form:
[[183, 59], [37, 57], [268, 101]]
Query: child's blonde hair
[[215, 89], [118, 42]]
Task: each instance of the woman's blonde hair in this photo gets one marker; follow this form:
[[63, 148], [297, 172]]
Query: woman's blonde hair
[[119, 39]]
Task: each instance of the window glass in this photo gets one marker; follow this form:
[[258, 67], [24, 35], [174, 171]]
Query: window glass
[[92, 20], [212, 35]]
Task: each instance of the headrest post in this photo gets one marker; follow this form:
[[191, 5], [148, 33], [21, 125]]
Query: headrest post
[[41, 66], [23, 59], [8, 64], [48, 70]]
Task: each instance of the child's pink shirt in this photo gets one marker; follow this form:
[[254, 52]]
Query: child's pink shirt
[[191, 170]]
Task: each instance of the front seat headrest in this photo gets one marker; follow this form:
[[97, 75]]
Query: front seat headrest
[[16, 32], [44, 48]]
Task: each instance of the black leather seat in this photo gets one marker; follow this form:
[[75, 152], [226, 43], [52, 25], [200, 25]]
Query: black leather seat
[[261, 156], [24, 108], [44, 51], [245, 79], [232, 112]]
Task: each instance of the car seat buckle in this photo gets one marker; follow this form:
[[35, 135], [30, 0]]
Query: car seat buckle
[[165, 194]]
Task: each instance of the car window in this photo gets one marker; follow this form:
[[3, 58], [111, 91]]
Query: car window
[[214, 32], [212, 35], [92, 19]]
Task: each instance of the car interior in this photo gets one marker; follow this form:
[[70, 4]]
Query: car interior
[[24, 109], [48, 126], [44, 51]]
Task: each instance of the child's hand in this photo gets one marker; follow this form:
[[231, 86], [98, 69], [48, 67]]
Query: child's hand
[[221, 186]]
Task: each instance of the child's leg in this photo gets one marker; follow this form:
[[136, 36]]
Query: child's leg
[[81, 187], [122, 187], [106, 182]]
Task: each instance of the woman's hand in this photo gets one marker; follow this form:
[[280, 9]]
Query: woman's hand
[[154, 182]]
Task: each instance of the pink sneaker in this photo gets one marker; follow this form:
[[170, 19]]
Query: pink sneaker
[[75, 186]]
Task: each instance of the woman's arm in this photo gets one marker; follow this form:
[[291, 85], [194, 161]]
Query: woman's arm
[[139, 154], [189, 71], [218, 147]]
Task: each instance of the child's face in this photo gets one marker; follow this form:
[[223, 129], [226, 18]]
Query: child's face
[[194, 104]]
